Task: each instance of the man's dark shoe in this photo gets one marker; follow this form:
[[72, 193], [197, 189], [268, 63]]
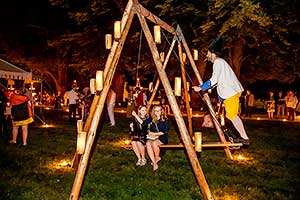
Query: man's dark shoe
[[242, 140]]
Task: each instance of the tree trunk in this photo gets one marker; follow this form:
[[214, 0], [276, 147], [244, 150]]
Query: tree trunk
[[236, 56], [61, 85]]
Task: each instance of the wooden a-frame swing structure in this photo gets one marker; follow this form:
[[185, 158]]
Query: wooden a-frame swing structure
[[134, 7]]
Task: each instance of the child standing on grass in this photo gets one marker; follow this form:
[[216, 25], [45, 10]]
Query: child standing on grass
[[138, 132], [271, 105]]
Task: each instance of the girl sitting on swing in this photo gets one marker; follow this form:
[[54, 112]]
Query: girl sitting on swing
[[157, 135]]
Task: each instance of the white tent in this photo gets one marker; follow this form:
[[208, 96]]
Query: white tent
[[10, 71]]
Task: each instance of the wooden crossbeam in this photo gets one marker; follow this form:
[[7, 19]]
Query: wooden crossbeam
[[204, 145]]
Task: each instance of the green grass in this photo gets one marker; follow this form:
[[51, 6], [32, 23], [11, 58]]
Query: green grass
[[32, 172]]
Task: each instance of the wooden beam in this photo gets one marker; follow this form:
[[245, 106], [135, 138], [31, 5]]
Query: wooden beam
[[206, 97], [204, 145], [110, 69], [153, 18], [158, 80], [186, 95], [177, 114]]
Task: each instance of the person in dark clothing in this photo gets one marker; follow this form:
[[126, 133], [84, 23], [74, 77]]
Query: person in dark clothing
[[3, 102]]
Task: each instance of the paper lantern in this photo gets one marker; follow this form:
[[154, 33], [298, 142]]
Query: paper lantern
[[151, 86], [81, 138], [93, 85], [108, 41], [157, 35], [198, 141], [79, 125], [195, 52], [117, 30], [99, 80], [177, 87]]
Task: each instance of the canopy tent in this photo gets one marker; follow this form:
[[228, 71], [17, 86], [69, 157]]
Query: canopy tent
[[10, 71]]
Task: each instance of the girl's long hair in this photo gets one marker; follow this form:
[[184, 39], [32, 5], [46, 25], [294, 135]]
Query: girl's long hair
[[163, 116]]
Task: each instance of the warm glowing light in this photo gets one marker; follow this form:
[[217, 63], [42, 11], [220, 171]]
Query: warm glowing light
[[127, 142], [47, 108], [93, 85], [230, 197], [162, 56], [157, 35], [99, 80], [81, 140], [177, 87], [285, 120], [258, 118], [108, 41], [63, 164], [243, 158], [198, 141], [195, 53], [117, 30], [183, 57]]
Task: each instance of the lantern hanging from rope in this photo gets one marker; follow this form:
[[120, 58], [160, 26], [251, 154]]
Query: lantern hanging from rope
[[195, 52], [92, 85], [157, 35], [108, 41], [99, 80], [117, 30], [177, 86]]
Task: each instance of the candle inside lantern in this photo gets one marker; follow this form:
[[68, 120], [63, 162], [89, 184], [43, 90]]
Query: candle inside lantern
[[81, 137], [177, 87], [198, 141], [157, 36], [99, 80], [108, 41], [117, 30], [195, 52], [92, 85]]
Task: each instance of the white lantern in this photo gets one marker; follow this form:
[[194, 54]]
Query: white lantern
[[117, 30], [195, 52], [177, 86], [81, 138], [151, 86], [157, 36], [108, 41], [99, 80], [79, 125], [93, 85], [198, 141]]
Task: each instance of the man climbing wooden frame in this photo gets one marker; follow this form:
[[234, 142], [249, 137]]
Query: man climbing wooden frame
[[133, 7]]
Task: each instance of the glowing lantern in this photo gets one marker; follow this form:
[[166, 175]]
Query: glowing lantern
[[81, 137], [99, 80], [177, 87], [108, 41], [195, 53], [92, 85], [198, 141], [151, 86], [157, 36], [117, 30]]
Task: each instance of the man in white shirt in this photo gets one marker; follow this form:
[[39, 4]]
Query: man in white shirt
[[73, 98], [229, 88], [111, 102]]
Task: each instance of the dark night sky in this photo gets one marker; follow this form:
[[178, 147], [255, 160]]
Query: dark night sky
[[18, 14]]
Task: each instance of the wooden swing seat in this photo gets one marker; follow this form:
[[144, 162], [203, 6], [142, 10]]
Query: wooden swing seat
[[204, 145]]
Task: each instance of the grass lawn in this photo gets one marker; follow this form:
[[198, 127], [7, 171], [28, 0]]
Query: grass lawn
[[271, 170]]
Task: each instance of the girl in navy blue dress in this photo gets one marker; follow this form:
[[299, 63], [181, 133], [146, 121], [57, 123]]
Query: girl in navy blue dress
[[138, 132], [157, 135]]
